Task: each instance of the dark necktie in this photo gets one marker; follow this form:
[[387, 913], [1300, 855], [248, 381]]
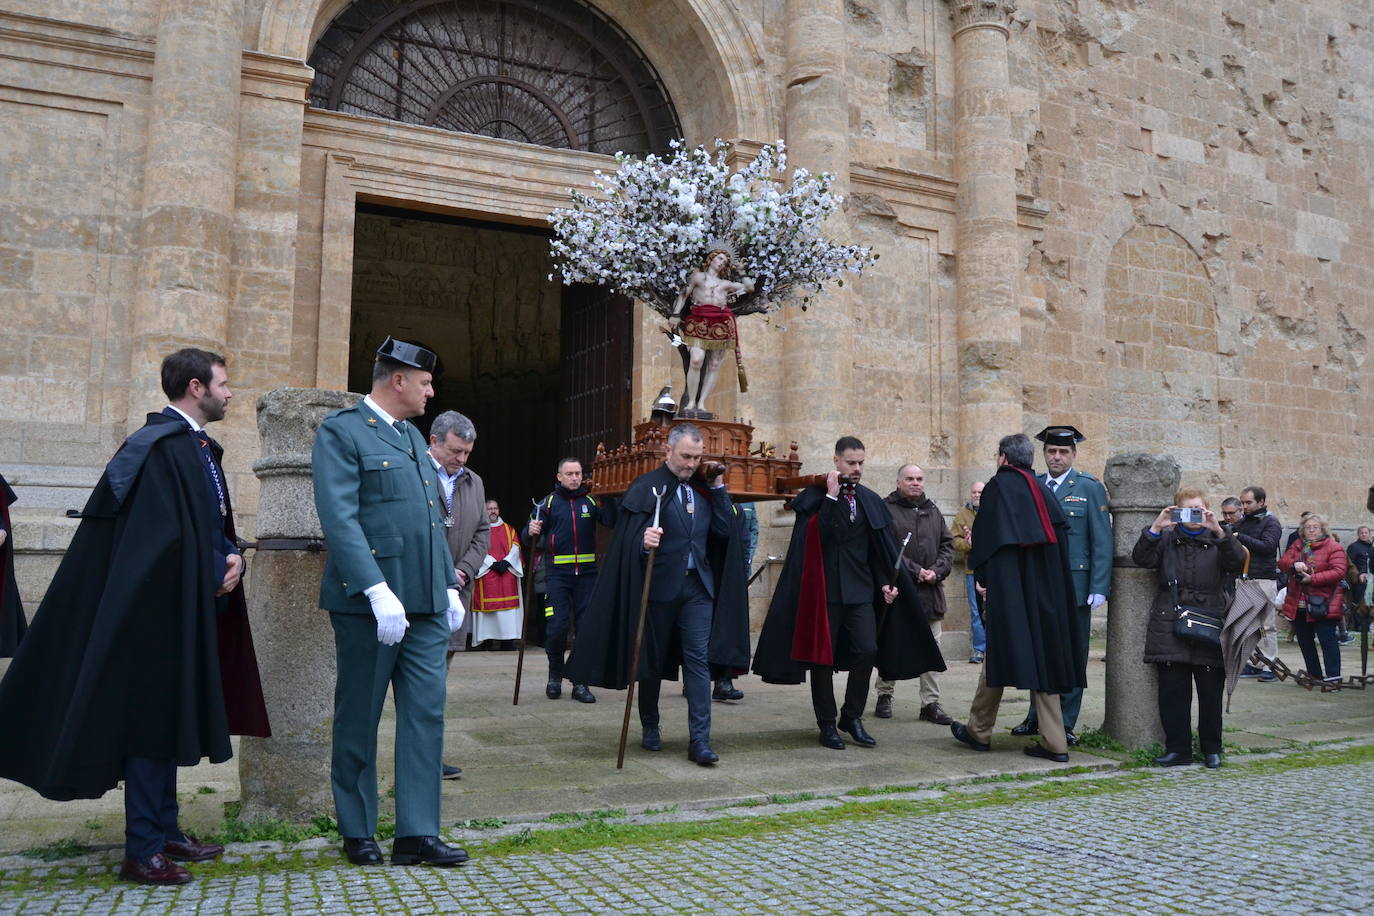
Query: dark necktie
[[401, 428], [1054, 486]]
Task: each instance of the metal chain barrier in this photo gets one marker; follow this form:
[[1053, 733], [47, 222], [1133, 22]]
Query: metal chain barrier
[[1303, 679]]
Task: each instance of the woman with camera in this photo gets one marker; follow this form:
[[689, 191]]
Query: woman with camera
[[1183, 638], [1316, 565]]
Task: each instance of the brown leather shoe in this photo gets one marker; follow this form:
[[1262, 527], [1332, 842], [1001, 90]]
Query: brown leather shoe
[[191, 849], [931, 712], [156, 870]]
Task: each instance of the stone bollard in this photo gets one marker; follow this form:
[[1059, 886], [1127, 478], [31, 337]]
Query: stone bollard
[[1140, 485], [287, 776]]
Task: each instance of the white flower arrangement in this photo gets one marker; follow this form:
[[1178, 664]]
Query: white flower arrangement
[[648, 228]]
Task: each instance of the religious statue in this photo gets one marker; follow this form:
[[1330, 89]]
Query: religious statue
[[702, 311]]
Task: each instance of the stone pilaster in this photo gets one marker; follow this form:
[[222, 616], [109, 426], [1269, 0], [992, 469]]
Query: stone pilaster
[[1140, 485], [988, 254], [182, 296], [287, 776], [818, 356]]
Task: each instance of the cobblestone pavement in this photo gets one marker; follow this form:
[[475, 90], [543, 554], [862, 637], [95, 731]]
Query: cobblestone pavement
[[1240, 839]]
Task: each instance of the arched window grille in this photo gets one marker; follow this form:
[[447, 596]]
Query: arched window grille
[[550, 72]]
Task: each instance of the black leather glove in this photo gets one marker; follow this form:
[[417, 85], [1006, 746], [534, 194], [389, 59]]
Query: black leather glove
[[500, 566]]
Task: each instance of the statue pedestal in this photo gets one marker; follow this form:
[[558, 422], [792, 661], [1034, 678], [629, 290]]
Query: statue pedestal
[[750, 474]]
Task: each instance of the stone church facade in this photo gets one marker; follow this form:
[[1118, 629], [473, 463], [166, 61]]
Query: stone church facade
[[1148, 218]]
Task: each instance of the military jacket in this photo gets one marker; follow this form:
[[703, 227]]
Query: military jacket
[[380, 508], [1083, 499]]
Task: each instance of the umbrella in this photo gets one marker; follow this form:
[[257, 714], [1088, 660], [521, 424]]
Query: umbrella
[[1241, 632]]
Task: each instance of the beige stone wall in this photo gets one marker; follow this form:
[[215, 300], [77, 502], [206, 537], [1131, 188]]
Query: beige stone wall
[[1190, 251], [1203, 283]]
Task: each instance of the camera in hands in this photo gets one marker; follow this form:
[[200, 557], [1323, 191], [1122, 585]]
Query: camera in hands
[[1188, 516]]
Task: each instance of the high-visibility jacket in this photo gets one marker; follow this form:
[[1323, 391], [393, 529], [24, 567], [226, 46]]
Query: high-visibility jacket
[[570, 519]]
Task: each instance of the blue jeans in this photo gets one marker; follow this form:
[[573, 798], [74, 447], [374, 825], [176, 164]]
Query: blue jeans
[[975, 619], [1325, 633]]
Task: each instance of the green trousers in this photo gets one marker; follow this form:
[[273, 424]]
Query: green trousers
[[414, 670]]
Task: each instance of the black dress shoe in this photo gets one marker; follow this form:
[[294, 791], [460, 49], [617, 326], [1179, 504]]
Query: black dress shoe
[[931, 712], [452, 772], [363, 851], [960, 732], [652, 740], [861, 737], [190, 849], [553, 689], [1173, 759], [582, 694], [1211, 761], [1044, 753], [725, 690], [425, 850], [158, 869], [831, 738], [883, 708], [1026, 727], [701, 754]]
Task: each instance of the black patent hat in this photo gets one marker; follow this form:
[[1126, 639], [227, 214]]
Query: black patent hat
[[407, 354], [1060, 435]]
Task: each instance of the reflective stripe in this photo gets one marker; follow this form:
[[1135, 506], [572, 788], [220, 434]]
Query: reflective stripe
[[548, 611], [574, 558]]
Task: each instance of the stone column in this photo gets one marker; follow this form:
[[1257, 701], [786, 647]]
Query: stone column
[[287, 776], [188, 189], [988, 252], [1140, 485], [818, 355]]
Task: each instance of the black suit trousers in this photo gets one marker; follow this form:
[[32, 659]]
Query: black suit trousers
[[856, 625]]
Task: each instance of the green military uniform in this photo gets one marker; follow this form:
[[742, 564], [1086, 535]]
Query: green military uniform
[[1083, 499], [379, 505]]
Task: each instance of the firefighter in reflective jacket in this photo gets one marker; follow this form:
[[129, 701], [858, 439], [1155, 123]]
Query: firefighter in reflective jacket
[[567, 518]]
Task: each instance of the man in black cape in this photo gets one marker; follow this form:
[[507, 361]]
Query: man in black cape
[[1020, 556], [834, 608], [139, 658], [13, 624], [698, 611]]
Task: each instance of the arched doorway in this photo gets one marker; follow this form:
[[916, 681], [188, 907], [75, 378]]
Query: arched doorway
[[516, 88]]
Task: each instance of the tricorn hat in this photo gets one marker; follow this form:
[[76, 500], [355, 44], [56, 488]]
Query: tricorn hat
[[407, 354], [1060, 435]]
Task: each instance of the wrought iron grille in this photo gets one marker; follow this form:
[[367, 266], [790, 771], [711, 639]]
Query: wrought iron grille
[[549, 72]]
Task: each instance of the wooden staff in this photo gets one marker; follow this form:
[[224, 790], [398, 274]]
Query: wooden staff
[[806, 480], [639, 633], [529, 601], [892, 580]]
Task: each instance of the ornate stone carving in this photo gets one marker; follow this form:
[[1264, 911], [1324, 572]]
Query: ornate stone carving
[[969, 13]]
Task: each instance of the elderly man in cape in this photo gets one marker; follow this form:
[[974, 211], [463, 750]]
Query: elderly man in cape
[[1019, 555]]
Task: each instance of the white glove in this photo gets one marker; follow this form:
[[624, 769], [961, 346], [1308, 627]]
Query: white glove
[[455, 611], [390, 613], [1096, 601]]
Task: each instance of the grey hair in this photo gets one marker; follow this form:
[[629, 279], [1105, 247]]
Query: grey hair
[[451, 421], [910, 464], [1018, 450], [683, 431]]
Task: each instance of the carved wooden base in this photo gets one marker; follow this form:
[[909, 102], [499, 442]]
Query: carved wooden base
[[750, 473]]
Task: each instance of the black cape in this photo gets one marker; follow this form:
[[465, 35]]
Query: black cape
[[13, 623], [605, 642], [1020, 554], [124, 654], [906, 648]]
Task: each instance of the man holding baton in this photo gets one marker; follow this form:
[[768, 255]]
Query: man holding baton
[[696, 610]]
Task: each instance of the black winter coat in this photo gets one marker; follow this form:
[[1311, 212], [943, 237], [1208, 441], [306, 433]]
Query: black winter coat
[[1202, 564]]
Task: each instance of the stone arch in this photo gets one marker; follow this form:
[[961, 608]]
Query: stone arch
[[1161, 340], [706, 52]]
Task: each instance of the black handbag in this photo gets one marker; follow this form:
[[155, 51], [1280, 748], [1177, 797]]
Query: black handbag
[[1194, 624], [1318, 608]]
